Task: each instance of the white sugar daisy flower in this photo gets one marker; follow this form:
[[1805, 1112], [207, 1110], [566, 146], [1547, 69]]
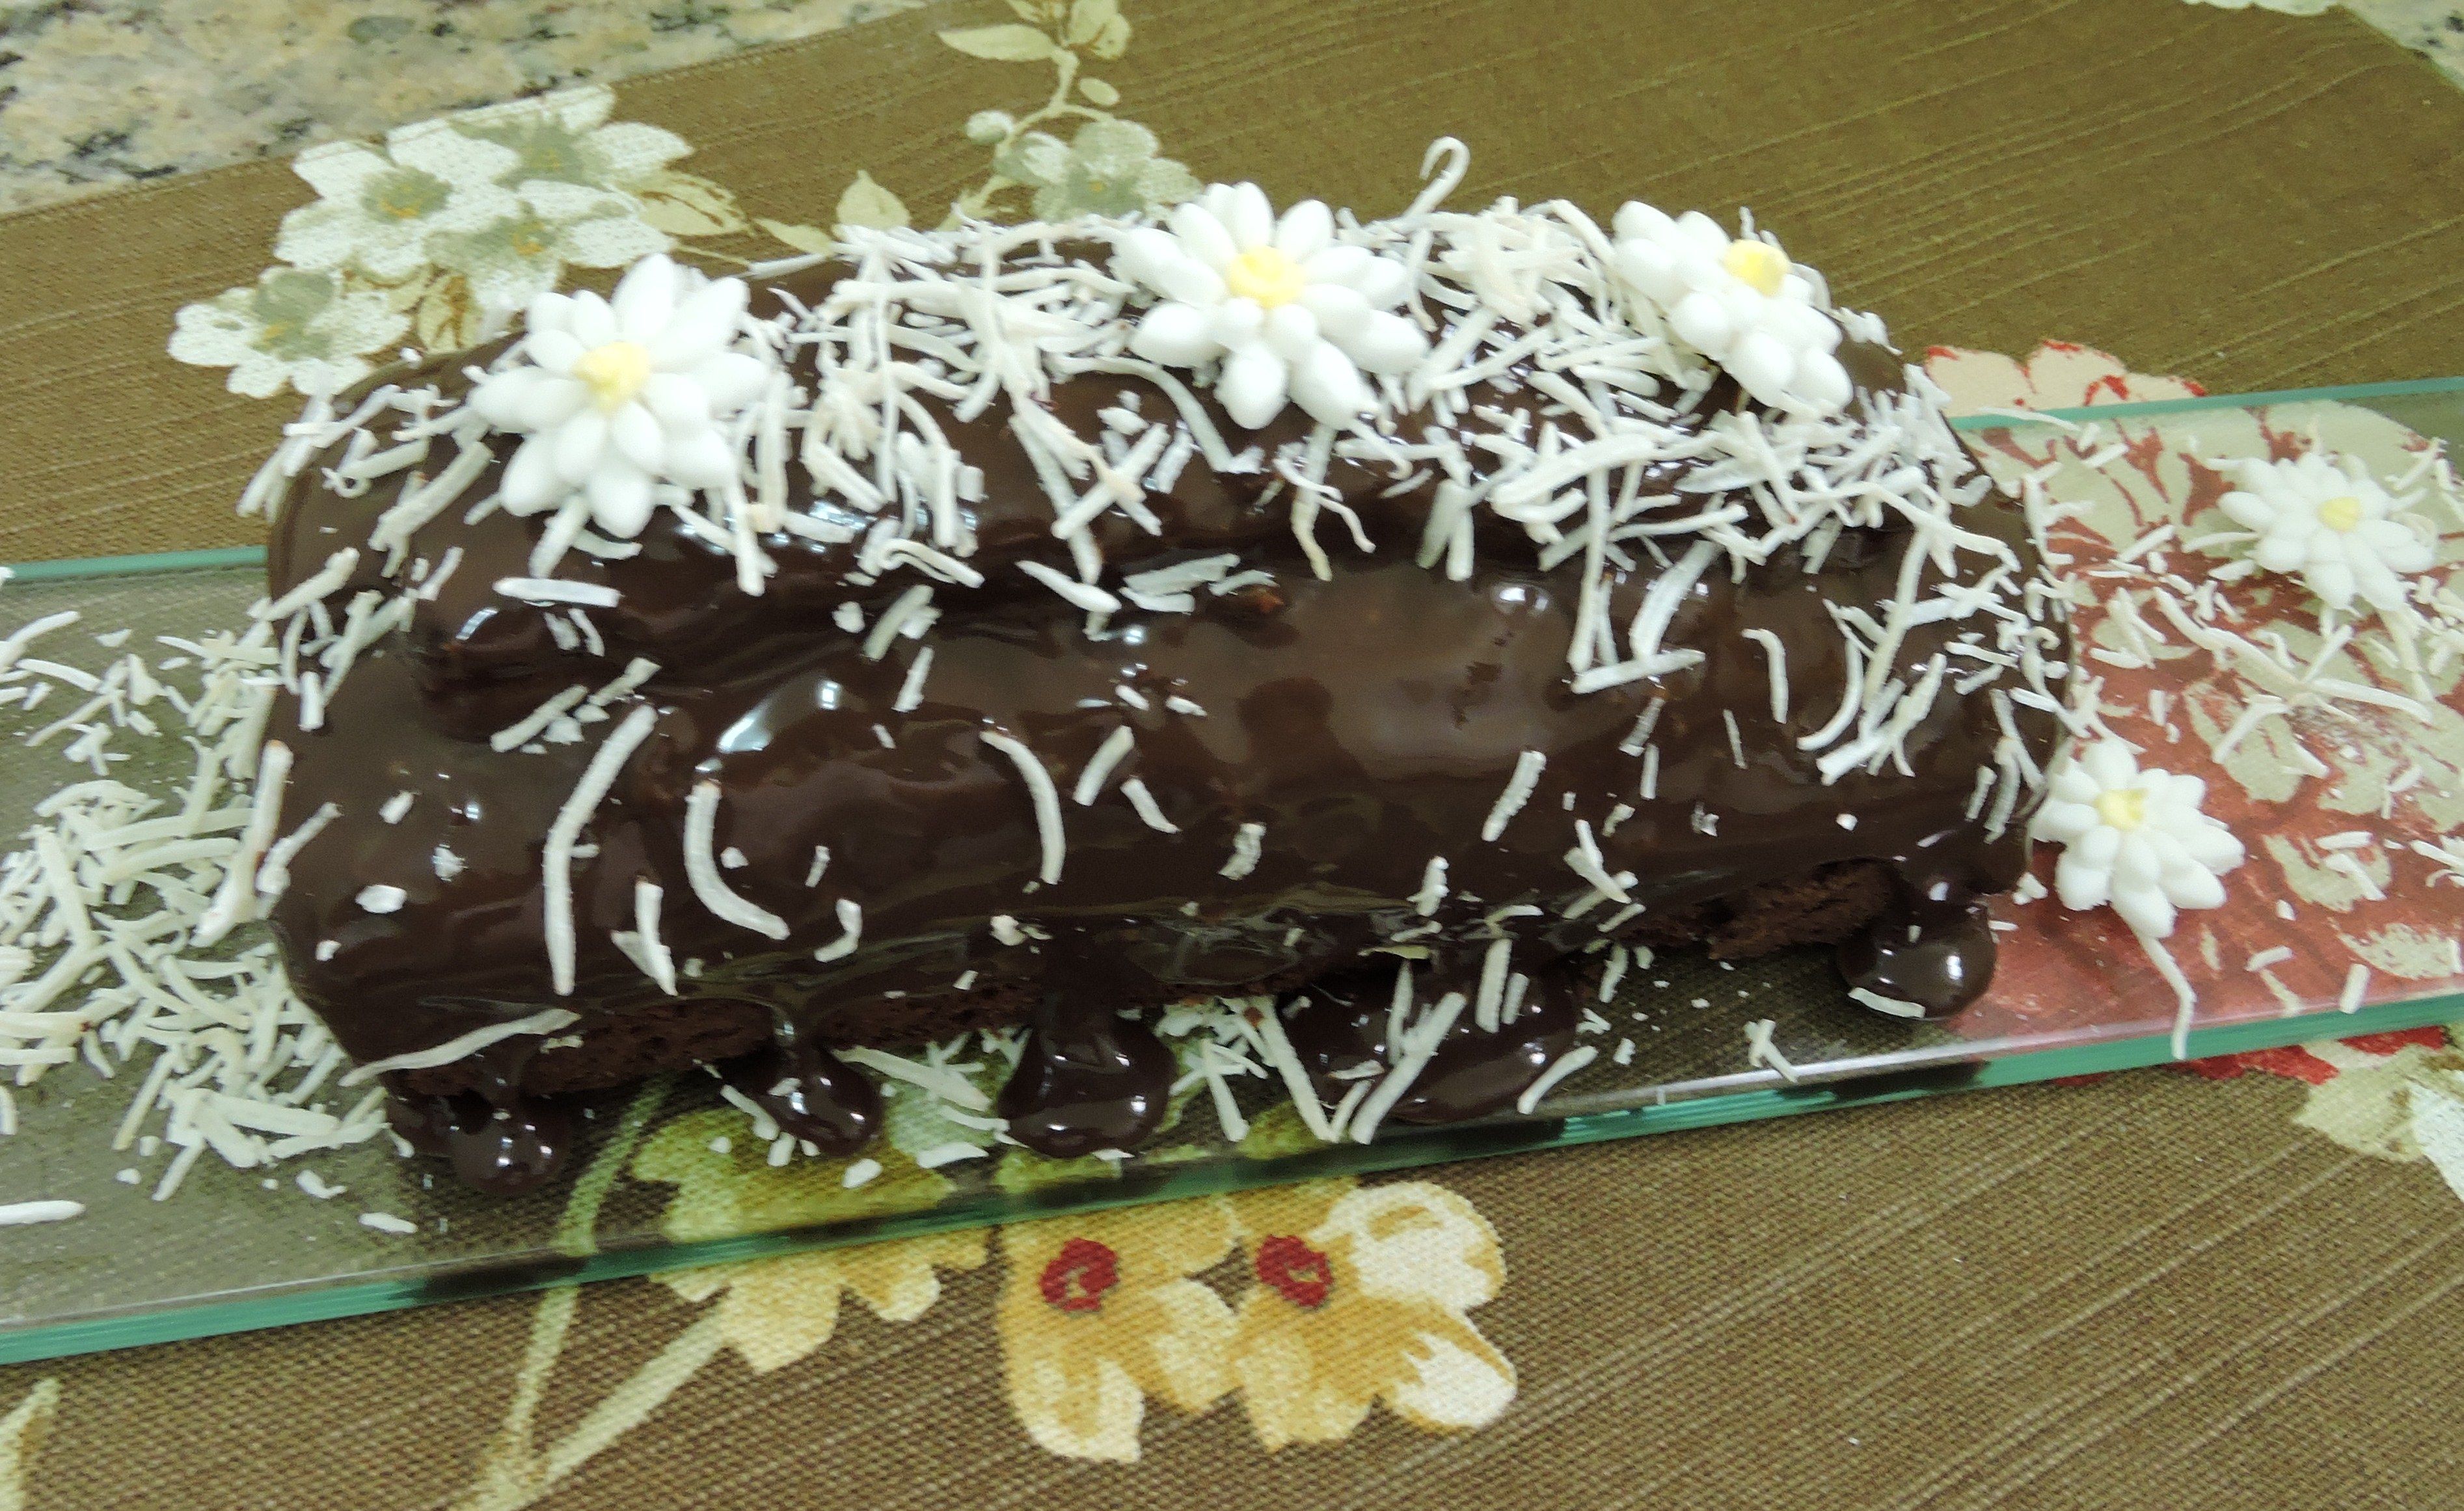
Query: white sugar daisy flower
[[1294, 316], [620, 395], [1738, 301], [2327, 520], [2135, 839]]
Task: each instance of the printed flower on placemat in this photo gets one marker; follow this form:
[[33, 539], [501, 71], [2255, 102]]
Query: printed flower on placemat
[[776, 1311], [2397, 1096], [1739, 302], [376, 210], [451, 226], [1358, 1296], [1110, 167], [298, 328], [2058, 374], [1293, 315], [726, 1186], [1098, 1312], [2324, 519], [507, 263], [568, 158]]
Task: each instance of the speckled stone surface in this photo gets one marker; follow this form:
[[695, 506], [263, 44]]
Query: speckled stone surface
[[98, 94]]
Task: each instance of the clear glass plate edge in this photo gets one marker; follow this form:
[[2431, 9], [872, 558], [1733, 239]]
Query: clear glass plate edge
[[287, 1304], [314, 1301]]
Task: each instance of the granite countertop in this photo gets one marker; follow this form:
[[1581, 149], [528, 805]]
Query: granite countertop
[[98, 94]]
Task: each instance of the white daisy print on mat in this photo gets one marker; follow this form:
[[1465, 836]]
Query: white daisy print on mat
[[376, 208], [2325, 519], [619, 395], [1294, 316], [2134, 839], [1739, 302], [298, 329]]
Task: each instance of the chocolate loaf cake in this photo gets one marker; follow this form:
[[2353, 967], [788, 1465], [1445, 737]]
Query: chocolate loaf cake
[[1028, 627]]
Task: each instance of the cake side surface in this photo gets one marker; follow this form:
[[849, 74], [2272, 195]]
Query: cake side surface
[[1539, 657]]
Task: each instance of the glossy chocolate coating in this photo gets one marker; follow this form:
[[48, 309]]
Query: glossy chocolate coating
[[1367, 722]]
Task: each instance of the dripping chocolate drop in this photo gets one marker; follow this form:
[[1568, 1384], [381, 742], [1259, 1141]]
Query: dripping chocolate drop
[[1090, 1079]]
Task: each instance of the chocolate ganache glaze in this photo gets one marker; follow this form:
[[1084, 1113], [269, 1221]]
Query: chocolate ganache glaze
[[1340, 732]]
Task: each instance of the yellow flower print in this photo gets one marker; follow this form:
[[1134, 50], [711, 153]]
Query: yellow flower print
[[776, 1311], [726, 1186], [1097, 1313], [1359, 1296]]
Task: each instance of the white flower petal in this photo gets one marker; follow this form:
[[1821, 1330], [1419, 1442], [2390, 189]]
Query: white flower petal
[[1144, 250], [700, 458], [1304, 230], [732, 379], [1291, 330], [549, 311], [1822, 384], [1763, 366], [678, 401], [2110, 763], [1189, 281], [2081, 883], [2143, 906], [1383, 282], [1175, 334], [1254, 385], [2063, 822], [1327, 385], [2191, 886], [1202, 233], [646, 299], [2331, 581], [638, 439], [590, 320], [1702, 321], [1249, 217], [1236, 323], [619, 500], [1341, 264], [1387, 343], [1340, 312], [2282, 550], [1637, 220], [500, 397], [552, 403], [531, 480], [554, 350], [579, 442]]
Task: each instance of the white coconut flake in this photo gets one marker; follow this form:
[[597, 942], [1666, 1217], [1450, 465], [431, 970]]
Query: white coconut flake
[[1519, 788], [23, 1213], [1248, 846], [461, 1046], [1564, 1065], [1046, 798], [701, 868]]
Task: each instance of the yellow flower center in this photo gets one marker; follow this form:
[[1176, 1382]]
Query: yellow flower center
[[1266, 275], [2125, 810], [613, 373], [1757, 264], [2341, 512]]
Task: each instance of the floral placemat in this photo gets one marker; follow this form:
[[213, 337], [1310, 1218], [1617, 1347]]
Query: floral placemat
[[2230, 1286]]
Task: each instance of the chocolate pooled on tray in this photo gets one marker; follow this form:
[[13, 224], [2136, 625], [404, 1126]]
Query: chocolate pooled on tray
[[1019, 627]]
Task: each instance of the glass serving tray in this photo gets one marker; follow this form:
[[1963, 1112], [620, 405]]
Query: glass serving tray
[[668, 1175]]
